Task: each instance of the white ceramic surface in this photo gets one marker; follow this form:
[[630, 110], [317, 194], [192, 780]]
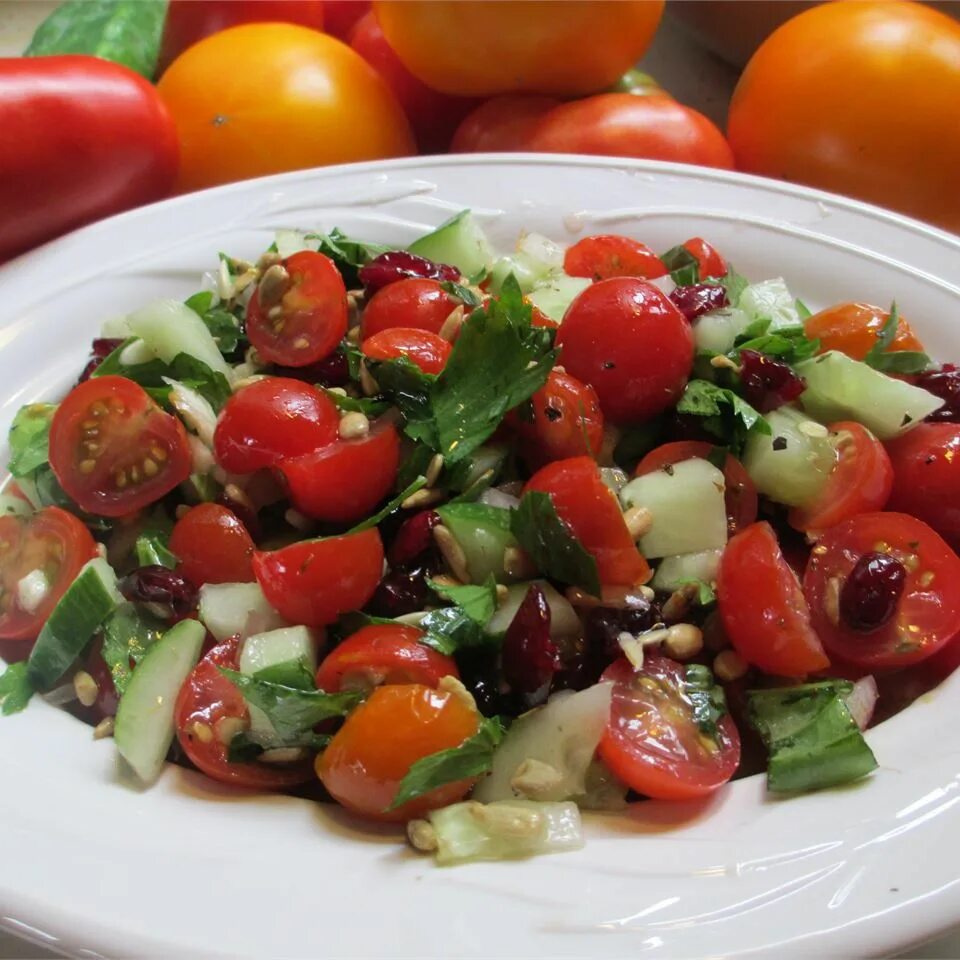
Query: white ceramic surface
[[89, 866]]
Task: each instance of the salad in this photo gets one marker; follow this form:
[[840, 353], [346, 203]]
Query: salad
[[473, 542]]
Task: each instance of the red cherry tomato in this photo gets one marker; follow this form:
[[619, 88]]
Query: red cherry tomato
[[383, 653], [927, 614], [652, 741], [561, 420], [114, 450], [53, 541], [590, 508], [631, 344], [420, 304], [272, 420], [341, 16], [313, 582], [212, 545], [740, 495], [501, 124], [762, 607], [308, 321], [207, 698], [428, 351], [710, 262], [859, 483], [610, 255], [926, 477], [345, 480]]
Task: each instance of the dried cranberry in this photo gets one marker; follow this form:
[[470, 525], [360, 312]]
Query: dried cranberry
[[480, 674], [332, 371], [414, 538], [167, 589], [871, 592], [603, 626], [529, 657], [402, 590], [768, 383], [699, 298], [100, 349], [945, 384], [399, 265]]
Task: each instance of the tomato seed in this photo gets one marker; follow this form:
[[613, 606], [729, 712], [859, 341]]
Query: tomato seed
[[158, 453], [87, 466], [150, 468]]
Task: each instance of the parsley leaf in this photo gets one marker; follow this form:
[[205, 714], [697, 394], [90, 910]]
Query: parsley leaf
[[471, 759], [449, 629], [348, 255], [881, 357], [726, 415], [224, 327], [789, 344], [371, 407], [551, 544], [477, 602], [290, 673], [29, 438], [127, 635], [464, 294], [15, 688], [245, 748], [684, 267], [390, 507], [803, 311], [706, 697]]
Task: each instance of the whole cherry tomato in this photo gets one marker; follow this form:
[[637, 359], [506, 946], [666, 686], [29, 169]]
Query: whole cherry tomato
[[341, 16], [428, 351], [212, 546], [412, 302], [501, 124], [852, 328], [709, 262]]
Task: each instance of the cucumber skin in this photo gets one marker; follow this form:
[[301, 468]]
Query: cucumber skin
[[459, 241]]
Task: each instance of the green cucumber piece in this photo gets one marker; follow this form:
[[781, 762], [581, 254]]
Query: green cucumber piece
[[484, 534], [717, 331], [144, 726], [536, 259], [770, 300], [85, 604], [687, 504], [673, 572], [554, 295], [225, 609], [459, 241], [839, 388]]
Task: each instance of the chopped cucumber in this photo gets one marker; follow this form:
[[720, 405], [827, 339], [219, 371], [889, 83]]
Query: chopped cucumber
[[536, 259], [484, 534], [169, 327], [565, 625], [144, 726], [675, 571], [718, 330], [289, 242], [460, 241], [471, 471], [792, 462], [554, 295], [839, 388], [227, 609], [85, 604], [687, 503], [770, 300]]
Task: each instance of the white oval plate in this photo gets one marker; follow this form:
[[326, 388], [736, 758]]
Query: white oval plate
[[90, 867]]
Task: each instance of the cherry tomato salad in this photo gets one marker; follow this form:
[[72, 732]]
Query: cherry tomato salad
[[473, 542]]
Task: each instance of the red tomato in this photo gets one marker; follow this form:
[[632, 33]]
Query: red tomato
[[314, 581], [212, 545], [562, 419], [711, 263], [420, 304], [114, 450], [590, 508], [53, 541], [927, 615], [652, 741], [610, 255], [432, 115], [859, 483], [631, 344], [207, 698], [383, 653], [310, 319], [501, 124], [343, 481], [740, 495], [853, 328], [272, 420], [762, 607], [428, 351], [622, 125], [382, 738], [341, 16], [83, 138], [191, 20], [926, 477]]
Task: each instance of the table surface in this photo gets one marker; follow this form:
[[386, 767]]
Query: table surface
[[691, 74]]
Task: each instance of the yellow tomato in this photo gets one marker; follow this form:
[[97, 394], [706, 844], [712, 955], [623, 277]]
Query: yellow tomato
[[268, 97], [482, 48]]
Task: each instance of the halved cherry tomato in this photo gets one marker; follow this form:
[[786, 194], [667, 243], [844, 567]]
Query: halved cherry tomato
[[345, 480], [207, 698], [53, 541], [114, 450], [590, 508], [611, 255], [852, 328], [859, 483], [381, 739], [626, 339], [314, 581], [927, 614], [740, 495], [501, 123], [307, 322], [383, 653], [428, 351], [414, 302], [762, 606], [652, 741], [710, 262], [562, 419], [272, 420], [212, 545]]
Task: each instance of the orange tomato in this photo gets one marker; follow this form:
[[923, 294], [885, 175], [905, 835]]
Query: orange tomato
[[852, 329], [859, 98], [478, 48], [269, 97]]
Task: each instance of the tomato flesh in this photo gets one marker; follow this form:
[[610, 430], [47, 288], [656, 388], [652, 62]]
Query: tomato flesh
[[853, 328], [709, 261], [609, 255], [212, 546], [427, 350]]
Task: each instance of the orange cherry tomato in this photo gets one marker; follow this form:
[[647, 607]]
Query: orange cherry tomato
[[212, 545], [611, 255], [428, 351], [852, 328]]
